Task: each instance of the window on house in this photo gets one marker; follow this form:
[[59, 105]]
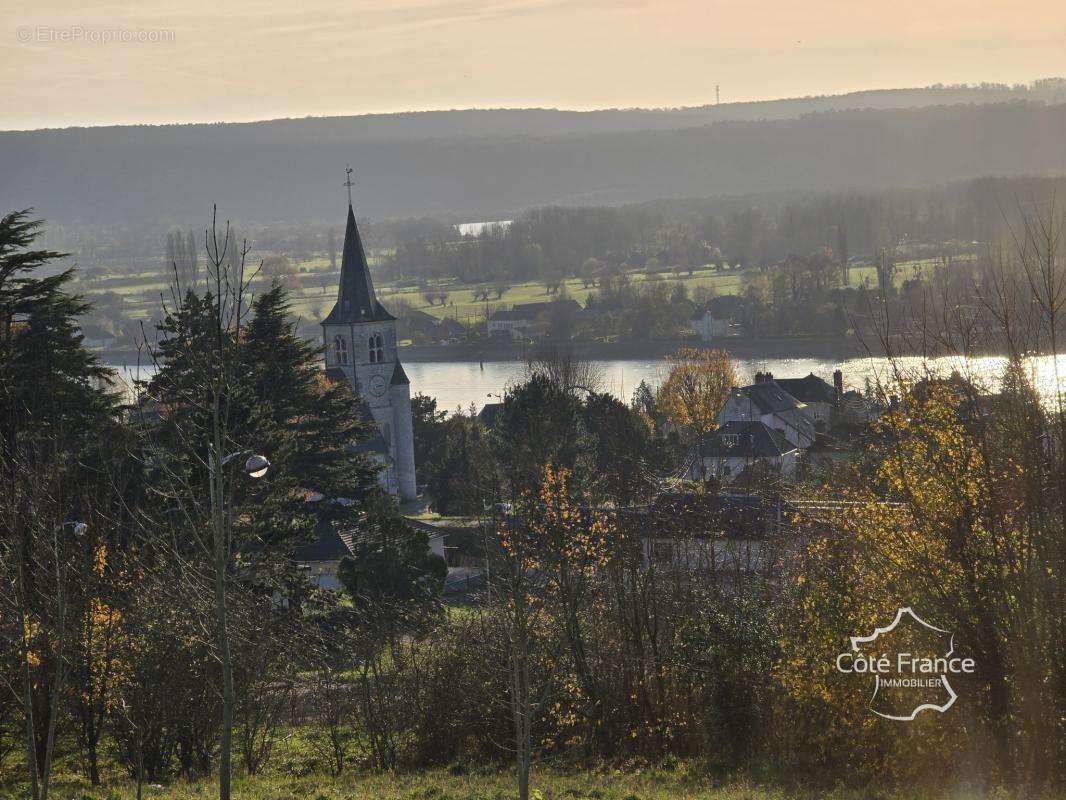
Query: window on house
[[377, 348], [340, 347]]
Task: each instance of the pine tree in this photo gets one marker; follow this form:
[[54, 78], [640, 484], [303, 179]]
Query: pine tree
[[57, 427], [282, 407], [307, 423], [47, 378]]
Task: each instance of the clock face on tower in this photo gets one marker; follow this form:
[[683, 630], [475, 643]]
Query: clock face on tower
[[377, 386]]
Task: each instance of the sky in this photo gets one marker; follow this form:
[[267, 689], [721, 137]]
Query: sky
[[85, 62]]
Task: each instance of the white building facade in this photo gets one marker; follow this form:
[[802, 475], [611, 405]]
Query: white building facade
[[707, 327]]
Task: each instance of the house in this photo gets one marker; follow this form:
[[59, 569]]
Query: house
[[321, 559], [517, 322], [709, 327], [767, 402], [819, 397], [737, 445], [96, 336], [856, 409], [736, 309], [835, 447], [730, 534]]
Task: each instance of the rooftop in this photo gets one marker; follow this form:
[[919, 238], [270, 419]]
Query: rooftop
[[356, 299], [769, 397], [738, 439]]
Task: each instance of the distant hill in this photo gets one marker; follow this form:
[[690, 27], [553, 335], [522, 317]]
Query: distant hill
[[467, 164]]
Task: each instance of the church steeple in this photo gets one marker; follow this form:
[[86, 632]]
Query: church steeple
[[356, 300], [361, 349]]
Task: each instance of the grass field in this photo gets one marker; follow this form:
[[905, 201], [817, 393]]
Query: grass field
[[676, 784], [318, 288]]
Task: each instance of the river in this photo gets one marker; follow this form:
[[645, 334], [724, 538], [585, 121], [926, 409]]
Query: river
[[462, 384]]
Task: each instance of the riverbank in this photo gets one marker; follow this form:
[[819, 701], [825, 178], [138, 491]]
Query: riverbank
[[822, 347], [747, 348]]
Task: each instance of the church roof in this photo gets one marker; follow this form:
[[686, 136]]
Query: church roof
[[356, 300], [399, 377]]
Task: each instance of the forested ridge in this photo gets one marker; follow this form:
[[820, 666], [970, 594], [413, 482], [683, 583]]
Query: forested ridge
[[288, 170]]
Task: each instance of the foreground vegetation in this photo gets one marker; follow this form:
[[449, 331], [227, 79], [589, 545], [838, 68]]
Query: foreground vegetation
[[679, 783], [156, 626]]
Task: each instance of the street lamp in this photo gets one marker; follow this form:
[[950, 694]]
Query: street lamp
[[256, 465]]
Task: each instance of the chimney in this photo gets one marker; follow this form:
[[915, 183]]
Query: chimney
[[769, 376], [758, 377], [838, 382]]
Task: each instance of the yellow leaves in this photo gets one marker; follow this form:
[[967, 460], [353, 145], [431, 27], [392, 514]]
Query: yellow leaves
[[100, 559], [696, 388], [30, 630]]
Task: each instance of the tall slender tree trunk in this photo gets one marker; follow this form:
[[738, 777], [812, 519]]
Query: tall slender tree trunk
[[226, 746], [27, 688], [521, 710], [220, 521]]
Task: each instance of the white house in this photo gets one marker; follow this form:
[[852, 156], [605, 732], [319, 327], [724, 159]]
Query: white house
[[821, 400], [737, 445], [768, 403], [518, 322], [709, 327]]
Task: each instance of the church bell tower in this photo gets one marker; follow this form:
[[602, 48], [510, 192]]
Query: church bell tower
[[361, 347]]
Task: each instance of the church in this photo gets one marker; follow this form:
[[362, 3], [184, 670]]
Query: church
[[361, 348]]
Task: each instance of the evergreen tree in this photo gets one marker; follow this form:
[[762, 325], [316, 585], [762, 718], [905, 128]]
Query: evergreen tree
[[281, 406], [463, 479], [55, 466], [48, 379], [392, 578], [305, 424], [430, 431], [626, 453], [540, 425]]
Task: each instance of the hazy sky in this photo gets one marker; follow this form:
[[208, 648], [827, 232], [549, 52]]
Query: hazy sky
[[207, 60]]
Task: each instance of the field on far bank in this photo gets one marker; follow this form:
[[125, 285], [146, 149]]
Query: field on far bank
[[314, 288], [681, 783]]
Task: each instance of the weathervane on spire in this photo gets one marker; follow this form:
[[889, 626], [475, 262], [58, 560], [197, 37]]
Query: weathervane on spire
[[348, 183]]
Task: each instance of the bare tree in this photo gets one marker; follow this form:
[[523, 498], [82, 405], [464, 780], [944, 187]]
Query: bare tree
[[565, 369], [214, 451]]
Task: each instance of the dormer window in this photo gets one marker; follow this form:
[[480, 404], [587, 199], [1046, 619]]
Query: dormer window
[[340, 347], [377, 349]]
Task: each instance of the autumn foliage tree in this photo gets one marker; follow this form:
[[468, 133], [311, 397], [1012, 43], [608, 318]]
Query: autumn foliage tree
[[695, 389]]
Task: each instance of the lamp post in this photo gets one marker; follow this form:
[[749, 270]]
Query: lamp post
[[255, 466]]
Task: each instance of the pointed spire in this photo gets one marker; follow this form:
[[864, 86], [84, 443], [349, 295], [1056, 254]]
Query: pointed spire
[[356, 300]]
